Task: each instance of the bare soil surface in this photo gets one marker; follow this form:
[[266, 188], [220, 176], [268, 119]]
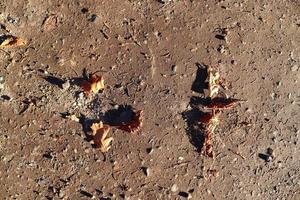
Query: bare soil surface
[[152, 55]]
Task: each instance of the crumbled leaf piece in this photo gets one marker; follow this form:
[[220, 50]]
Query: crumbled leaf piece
[[221, 103], [73, 118], [135, 124], [9, 41], [94, 84], [208, 151], [100, 136]]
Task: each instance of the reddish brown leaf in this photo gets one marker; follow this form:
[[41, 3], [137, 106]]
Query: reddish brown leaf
[[135, 124], [94, 84]]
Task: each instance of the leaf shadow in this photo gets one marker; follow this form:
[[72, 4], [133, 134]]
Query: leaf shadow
[[54, 80], [200, 83], [121, 115], [194, 129]]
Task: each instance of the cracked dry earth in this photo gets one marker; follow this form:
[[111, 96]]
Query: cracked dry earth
[[151, 54]]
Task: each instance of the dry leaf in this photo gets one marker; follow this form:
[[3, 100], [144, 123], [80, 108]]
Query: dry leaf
[[94, 84], [100, 132], [213, 82], [9, 41], [135, 124]]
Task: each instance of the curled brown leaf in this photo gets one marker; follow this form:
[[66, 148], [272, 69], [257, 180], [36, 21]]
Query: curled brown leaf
[[100, 136]]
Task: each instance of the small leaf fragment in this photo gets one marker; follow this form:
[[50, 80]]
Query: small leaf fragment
[[73, 118], [100, 138], [213, 82], [135, 124], [9, 41]]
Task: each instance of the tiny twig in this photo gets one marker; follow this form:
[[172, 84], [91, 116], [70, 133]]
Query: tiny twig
[[237, 153]]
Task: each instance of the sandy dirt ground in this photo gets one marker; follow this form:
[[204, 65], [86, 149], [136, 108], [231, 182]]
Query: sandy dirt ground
[[152, 55]]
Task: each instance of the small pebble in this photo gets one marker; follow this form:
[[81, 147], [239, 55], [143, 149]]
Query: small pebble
[[270, 152], [146, 171], [66, 85], [84, 10], [81, 95], [294, 68], [93, 18], [174, 68], [221, 49], [184, 194], [2, 82], [149, 150], [2, 79], [5, 98], [265, 157], [174, 188]]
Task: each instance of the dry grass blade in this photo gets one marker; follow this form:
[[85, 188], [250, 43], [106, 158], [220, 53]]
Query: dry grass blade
[[9, 41], [100, 136], [135, 124]]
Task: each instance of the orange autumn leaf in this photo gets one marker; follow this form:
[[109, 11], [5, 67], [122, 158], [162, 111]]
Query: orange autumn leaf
[[10, 41], [100, 136], [135, 124], [94, 84]]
